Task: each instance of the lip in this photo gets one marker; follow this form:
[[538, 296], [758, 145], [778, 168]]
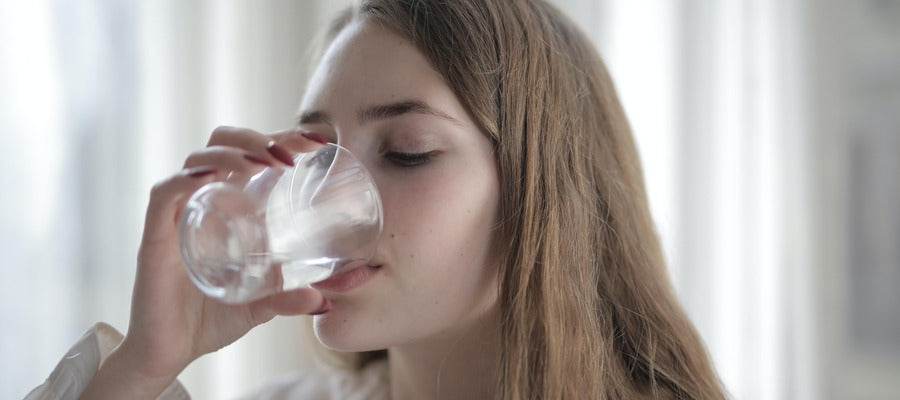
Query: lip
[[346, 281]]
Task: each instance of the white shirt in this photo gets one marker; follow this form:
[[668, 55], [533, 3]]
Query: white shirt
[[76, 369]]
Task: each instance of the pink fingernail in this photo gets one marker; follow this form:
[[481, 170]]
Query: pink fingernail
[[315, 137], [257, 159], [280, 153], [201, 172]]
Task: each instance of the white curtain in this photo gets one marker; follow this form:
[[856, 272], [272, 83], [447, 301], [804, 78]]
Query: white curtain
[[730, 102], [99, 100]]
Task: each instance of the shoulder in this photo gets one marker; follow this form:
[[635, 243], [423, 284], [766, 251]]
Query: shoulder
[[369, 383]]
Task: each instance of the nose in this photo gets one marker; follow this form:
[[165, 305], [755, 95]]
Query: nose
[[362, 145], [358, 143], [349, 194]]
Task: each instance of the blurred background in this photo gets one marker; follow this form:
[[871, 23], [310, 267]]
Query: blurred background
[[769, 131]]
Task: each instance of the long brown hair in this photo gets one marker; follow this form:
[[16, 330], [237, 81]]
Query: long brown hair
[[587, 307]]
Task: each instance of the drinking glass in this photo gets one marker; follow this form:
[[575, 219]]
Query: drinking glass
[[285, 228]]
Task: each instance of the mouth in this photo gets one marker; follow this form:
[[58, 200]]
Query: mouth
[[348, 277]]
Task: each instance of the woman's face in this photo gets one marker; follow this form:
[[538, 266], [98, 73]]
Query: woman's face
[[376, 94]]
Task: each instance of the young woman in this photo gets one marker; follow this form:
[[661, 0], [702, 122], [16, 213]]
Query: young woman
[[518, 258]]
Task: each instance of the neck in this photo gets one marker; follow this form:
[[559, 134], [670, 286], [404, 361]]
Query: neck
[[457, 364]]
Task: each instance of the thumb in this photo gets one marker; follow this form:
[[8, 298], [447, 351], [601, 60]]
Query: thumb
[[293, 302]]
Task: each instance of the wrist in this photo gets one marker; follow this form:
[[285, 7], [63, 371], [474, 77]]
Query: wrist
[[122, 375]]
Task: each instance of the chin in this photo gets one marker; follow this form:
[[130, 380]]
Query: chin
[[342, 333]]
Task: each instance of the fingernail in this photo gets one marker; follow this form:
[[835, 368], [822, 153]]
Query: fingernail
[[324, 308], [257, 159], [200, 172], [315, 137], [280, 153]]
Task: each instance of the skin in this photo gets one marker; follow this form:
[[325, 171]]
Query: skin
[[172, 323], [432, 303], [432, 300]]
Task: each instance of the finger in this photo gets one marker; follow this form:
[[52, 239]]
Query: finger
[[228, 159], [244, 138], [297, 140], [167, 195], [286, 144], [293, 302], [278, 147], [249, 140]]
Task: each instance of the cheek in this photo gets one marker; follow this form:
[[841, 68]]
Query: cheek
[[438, 227], [436, 206], [436, 242]]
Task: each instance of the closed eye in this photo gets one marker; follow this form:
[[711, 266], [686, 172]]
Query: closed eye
[[410, 159]]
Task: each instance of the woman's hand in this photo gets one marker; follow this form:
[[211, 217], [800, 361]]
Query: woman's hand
[[172, 322]]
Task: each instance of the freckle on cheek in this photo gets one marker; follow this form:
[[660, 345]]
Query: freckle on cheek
[[392, 236], [412, 255]]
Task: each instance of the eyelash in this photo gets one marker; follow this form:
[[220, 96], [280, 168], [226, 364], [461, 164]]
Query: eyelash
[[409, 160]]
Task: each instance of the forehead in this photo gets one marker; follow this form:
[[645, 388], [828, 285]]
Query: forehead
[[367, 63]]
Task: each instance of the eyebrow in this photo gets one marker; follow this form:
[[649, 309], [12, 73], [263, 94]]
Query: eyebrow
[[380, 112]]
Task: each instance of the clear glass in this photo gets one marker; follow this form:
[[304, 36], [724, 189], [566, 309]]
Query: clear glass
[[285, 228]]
